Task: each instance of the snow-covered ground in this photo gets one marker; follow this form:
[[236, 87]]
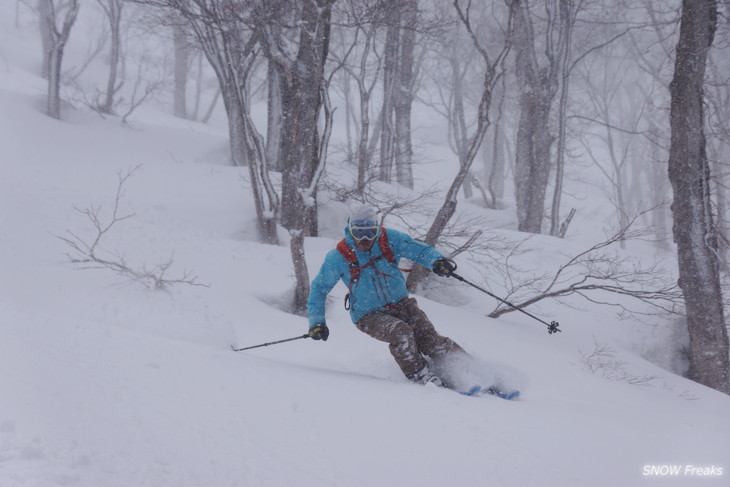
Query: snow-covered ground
[[105, 383]]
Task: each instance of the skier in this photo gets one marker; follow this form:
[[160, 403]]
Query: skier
[[366, 260]]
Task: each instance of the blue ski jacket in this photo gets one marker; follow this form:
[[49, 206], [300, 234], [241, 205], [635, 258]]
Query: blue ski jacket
[[380, 284]]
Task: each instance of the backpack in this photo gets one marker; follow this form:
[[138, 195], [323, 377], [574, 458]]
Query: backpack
[[349, 255]]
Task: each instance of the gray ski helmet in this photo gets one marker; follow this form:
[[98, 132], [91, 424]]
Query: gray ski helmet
[[363, 216]]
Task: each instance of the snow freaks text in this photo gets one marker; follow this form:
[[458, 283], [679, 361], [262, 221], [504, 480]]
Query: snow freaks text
[[682, 471]]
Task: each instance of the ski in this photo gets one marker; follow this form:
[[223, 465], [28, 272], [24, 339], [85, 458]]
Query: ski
[[474, 390], [508, 395], [491, 391]]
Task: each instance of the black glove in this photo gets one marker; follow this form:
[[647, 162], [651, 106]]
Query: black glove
[[319, 332], [444, 267]]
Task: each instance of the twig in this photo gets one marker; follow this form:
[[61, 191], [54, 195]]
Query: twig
[[86, 255]]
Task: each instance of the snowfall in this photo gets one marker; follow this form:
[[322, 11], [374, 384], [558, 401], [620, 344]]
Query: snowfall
[[107, 383]]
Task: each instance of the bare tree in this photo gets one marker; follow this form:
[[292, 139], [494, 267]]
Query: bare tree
[[52, 12], [616, 113], [694, 227], [718, 124], [144, 87], [181, 61], [298, 51], [274, 116], [44, 28], [226, 32], [493, 70], [399, 66], [403, 100], [538, 82], [568, 14], [566, 25], [362, 62], [653, 54], [494, 154], [567, 64], [390, 76], [113, 12], [450, 71]]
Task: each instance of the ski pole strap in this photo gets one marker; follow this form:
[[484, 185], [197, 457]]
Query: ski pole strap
[[270, 343], [552, 326]]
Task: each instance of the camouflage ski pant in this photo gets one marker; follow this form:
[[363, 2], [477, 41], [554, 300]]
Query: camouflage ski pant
[[410, 334]]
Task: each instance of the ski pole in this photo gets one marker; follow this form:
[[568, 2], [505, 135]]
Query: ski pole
[[270, 343], [552, 326]]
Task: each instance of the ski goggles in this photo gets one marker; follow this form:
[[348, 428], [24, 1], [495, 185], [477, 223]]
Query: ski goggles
[[364, 233]]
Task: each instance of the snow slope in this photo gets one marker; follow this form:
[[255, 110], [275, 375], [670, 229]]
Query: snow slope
[[105, 383]]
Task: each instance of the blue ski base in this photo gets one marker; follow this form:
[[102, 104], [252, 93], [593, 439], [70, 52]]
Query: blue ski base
[[491, 391]]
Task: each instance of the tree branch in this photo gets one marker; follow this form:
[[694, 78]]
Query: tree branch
[[87, 255]]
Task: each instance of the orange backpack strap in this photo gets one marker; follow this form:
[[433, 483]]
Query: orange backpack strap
[[349, 255], [385, 246]]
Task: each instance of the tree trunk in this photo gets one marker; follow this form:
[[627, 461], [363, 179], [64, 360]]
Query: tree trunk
[[181, 63], [46, 30], [719, 188], [404, 96], [53, 104], [538, 86], [364, 151], [532, 163], [56, 47], [198, 58], [456, 113], [567, 31], [390, 81], [689, 173], [236, 140], [301, 83], [300, 105], [113, 10], [494, 157], [363, 154], [273, 118]]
